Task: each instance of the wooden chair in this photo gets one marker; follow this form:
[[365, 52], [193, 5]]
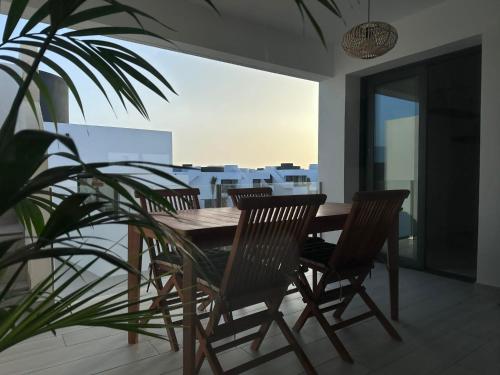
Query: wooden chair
[[237, 194], [312, 242], [366, 229], [180, 199], [262, 263]]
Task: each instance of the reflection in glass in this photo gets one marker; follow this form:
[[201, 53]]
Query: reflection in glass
[[396, 151]]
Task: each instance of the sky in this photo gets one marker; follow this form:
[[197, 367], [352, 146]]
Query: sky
[[223, 113]]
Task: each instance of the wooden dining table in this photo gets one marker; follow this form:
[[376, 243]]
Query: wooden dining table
[[208, 227]]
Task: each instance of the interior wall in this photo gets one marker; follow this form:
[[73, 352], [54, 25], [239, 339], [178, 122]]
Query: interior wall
[[449, 26]]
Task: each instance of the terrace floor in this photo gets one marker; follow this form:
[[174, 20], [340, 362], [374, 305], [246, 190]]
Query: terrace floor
[[448, 327]]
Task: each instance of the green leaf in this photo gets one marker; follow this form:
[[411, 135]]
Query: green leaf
[[303, 8], [212, 5], [93, 31], [31, 216], [16, 77], [38, 81], [115, 77], [76, 62], [70, 211], [16, 10], [98, 64], [54, 66], [134, 12], [130, 56], [134, 73], [37, 17], [21, 158], [60, 10]]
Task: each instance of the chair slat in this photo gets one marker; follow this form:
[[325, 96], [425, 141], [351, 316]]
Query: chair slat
[[237, 194]]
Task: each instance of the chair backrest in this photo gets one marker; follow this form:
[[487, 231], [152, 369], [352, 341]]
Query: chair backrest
[[237, 194], [367, 227], [265, 252], [180, 199]]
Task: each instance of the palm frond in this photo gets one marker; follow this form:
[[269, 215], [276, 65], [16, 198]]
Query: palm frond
[[49, 307]]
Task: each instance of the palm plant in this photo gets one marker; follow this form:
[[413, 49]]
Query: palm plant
[[54, 217]]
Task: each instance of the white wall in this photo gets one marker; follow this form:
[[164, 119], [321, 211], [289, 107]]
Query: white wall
[[105, 143], [102, 144], [451, 25]]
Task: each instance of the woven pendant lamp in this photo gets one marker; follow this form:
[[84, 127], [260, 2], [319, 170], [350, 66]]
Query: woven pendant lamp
[[370, 39]]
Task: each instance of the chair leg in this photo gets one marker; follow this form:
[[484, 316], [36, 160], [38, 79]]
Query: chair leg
[[306, 292], [380, 315], [299, 352], [203, 305], [313, 309], [161, 303], [306, 314], [337, 314], [200, 357], [357, 282], [172, 337], [264, 328], [334, 339], [206, 350]]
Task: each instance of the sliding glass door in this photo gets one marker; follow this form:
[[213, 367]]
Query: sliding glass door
[[394, 108], [422, 134]]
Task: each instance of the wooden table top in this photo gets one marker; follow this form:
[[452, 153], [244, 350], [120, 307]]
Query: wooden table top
[[220, 224]]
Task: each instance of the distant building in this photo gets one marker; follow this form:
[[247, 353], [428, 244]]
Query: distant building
[[214, 181]]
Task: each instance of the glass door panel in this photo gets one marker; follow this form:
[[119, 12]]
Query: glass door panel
[[394, 165]]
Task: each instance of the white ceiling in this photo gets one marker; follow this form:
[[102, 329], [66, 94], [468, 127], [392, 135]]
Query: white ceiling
[[284, 15]]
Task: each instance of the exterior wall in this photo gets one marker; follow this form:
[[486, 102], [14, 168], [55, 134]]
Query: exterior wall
[[59, 93], [449, 26], [102, 143], [105, 143]]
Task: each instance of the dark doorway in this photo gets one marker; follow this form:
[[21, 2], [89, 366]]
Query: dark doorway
[[422, 133]]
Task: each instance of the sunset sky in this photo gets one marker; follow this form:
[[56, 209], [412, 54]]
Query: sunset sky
[[224, 113]]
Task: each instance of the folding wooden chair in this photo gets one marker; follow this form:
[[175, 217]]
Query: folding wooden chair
[[237, 194], [348, 264], [313, 242], [180, 199], [262, 263]]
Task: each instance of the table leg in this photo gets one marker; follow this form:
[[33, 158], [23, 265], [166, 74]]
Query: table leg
[[134, 280], [393, 265], [189, 311]]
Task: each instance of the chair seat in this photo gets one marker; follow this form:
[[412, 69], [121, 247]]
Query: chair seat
[[317, 251], [210, 267]]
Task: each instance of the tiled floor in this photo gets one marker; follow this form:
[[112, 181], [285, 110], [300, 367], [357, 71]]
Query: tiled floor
[[448, 327]]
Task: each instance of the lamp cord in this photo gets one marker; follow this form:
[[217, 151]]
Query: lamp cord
[[369, 3]]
